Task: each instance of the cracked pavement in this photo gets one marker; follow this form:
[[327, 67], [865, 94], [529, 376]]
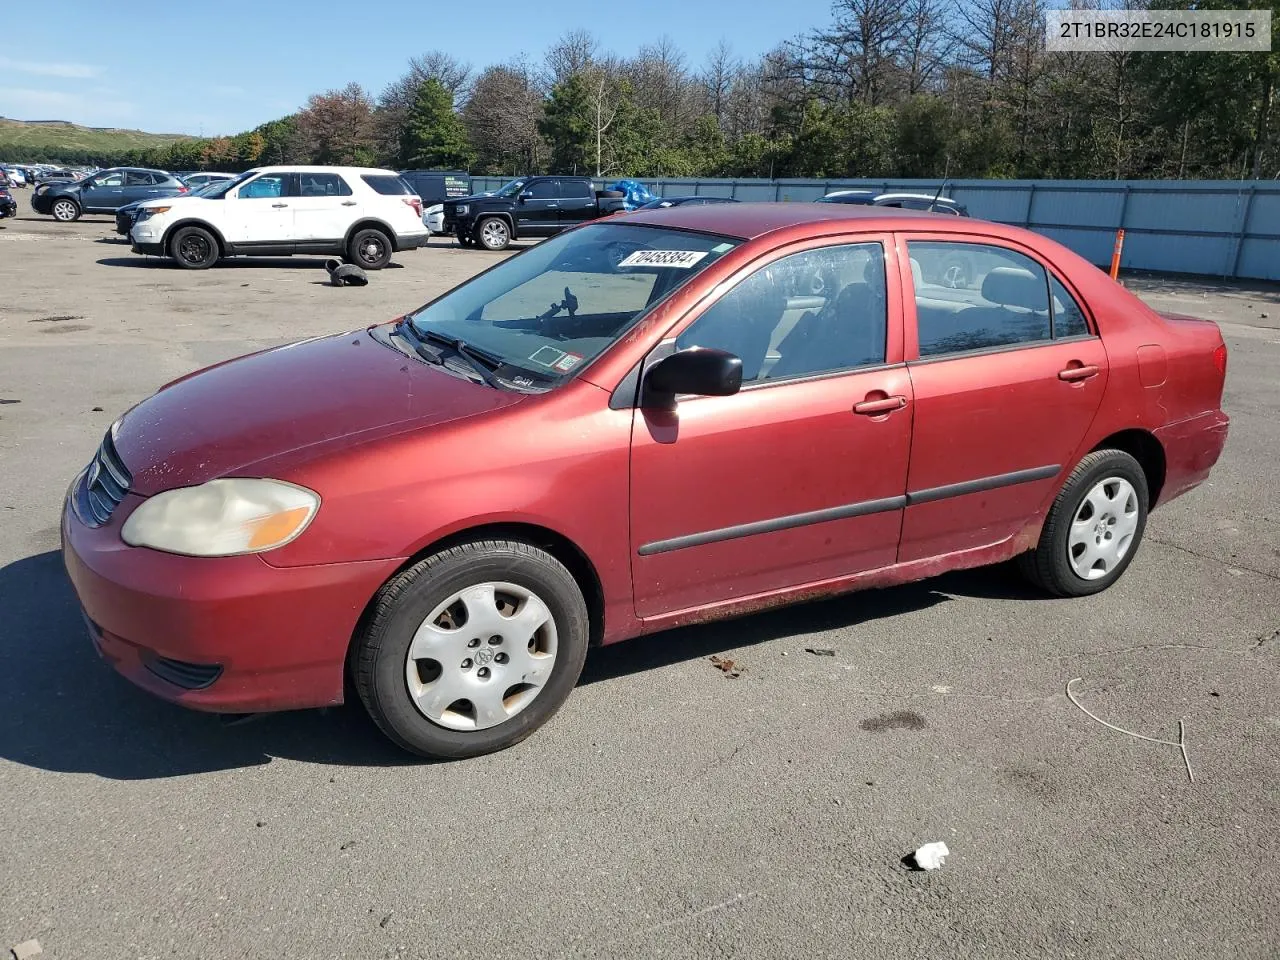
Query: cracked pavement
[[669, 809]]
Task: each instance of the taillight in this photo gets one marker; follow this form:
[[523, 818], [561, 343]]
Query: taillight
[[1220, 359], [184, 189], [414, 202]]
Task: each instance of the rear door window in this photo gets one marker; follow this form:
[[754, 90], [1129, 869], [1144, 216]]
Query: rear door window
[[322, 185], [575, 189], [972, 296], [389, 185]]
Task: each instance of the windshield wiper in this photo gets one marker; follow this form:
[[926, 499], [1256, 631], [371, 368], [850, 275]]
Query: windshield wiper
[[405, 330], [482, 363]]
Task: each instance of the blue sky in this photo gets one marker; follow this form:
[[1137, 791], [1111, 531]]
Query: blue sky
[[227, 67]]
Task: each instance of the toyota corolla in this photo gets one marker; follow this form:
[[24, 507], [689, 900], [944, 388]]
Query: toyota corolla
[[649, 421]]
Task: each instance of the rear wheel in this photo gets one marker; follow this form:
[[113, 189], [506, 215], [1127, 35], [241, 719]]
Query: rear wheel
[[1094, 527], [369, 249], [472, 649], [194, 248], [65, 210], [493, 233]]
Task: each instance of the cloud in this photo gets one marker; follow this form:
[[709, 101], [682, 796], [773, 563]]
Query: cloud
[[22, 103], [69, 71]]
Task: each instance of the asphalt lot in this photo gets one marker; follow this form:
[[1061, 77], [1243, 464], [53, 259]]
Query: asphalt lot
[[669, 810]]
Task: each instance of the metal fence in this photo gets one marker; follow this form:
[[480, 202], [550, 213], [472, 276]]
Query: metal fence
[[1220, 228]]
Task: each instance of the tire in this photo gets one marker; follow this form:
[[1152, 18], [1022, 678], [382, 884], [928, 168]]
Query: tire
[[369, 249], [65, 210], [1111, 531], [492, 233], [194, 248], [421, 702], [463, 239]]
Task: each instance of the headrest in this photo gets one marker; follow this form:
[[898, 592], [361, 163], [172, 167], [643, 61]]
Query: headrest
[[1014, 287], [917, 275]]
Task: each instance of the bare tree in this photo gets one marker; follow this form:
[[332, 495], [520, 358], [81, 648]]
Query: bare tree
[[717, 79], [572, 53], [855, 58], [984, 33], [926, 45], [502, 116], [660, 77]]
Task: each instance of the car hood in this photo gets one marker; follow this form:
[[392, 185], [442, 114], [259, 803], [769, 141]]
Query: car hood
[[454, 201], [288, 405], [166, 201]]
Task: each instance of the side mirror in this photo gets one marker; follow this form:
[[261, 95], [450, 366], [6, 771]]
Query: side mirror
[[525, 196], [700, 371]]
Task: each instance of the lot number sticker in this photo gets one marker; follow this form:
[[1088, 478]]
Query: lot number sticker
[[680, 259], [567, 362]]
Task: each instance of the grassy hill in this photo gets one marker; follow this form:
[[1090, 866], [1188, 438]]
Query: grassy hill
[[58, 140]]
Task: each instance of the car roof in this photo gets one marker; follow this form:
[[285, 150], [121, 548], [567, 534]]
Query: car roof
[[313, 168], [916, 196], [746, 221]]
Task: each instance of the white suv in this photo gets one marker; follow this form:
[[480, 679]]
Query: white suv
[[359, 213]]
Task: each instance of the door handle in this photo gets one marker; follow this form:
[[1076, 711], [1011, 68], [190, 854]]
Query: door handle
[[277, 206], [349, 203], [1078, 373], [552, 206], [884, 405]]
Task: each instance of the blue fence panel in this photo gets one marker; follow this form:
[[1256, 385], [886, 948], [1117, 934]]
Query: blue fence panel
[[1210, 228]]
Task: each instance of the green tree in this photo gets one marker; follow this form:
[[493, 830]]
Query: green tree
[[434, 136], [568, 125]]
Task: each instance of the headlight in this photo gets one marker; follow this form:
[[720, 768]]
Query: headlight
[[222, 518], [146, 213], [462, 209]]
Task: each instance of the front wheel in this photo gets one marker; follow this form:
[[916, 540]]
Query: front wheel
[[369, 249], [493, 233], [472, 649], [194, 248], [65, 211], [1094, 527]]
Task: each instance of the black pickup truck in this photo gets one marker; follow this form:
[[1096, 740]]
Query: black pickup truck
[[528, 207]]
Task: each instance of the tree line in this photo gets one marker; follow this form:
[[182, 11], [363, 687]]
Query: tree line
[[888, 88]]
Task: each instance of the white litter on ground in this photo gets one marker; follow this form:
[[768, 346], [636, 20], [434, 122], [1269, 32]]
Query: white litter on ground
[[931, 856], [26, 950]]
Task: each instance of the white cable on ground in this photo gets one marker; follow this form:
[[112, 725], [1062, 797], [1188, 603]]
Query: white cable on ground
[[1180, 743]]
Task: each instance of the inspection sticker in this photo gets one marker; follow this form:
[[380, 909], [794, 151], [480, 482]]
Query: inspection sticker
[[567, 362], [681, 259], [547, 356]]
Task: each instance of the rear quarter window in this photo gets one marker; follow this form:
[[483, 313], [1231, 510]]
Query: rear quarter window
[[387, 184]]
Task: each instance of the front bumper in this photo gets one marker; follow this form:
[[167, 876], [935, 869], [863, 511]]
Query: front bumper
[[41, 203], [9, 209], [124, 223], [226, 634]]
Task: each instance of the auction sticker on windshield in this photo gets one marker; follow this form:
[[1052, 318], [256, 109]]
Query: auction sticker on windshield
[[681, 259], [567, 362]]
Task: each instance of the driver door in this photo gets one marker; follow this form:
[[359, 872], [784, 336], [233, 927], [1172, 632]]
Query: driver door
[[538, 211], [800, 477], [103, 193], [259, 217]]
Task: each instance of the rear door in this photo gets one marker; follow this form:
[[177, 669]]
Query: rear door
[[1007, 374], [577, 203], [260, 214], [799, 478], [538, 209], [323, 209]]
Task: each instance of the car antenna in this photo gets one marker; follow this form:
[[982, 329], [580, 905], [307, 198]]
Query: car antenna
[[933, 204]]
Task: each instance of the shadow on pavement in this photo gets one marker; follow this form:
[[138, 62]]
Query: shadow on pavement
[[231, 263], [65, 710]]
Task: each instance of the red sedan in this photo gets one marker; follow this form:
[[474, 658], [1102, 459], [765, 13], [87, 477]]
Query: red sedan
[[653, 420]]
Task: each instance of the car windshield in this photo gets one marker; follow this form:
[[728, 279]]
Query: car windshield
[[541, 315], [218, 188], [511, 189]]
